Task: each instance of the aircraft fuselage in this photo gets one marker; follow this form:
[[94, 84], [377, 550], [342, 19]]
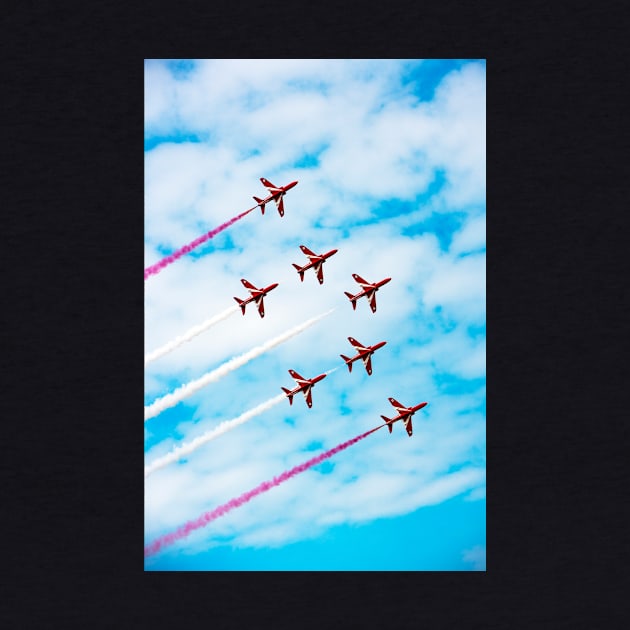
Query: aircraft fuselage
[[409, 412], [320, 259], [375, 287]]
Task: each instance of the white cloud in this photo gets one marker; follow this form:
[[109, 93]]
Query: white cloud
[[477, 557], [477, 494], [377, 144], [471, 238], [459, 287]]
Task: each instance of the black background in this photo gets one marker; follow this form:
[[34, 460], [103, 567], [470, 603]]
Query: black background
[[72, 315]]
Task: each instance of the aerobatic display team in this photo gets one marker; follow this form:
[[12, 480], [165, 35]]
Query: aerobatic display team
[[304, 385]]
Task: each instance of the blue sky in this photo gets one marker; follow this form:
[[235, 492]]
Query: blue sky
[[390, 159]]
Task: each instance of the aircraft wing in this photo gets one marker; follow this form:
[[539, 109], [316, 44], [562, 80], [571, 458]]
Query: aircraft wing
[[308, 397], [308, 252], [367, 361], [299, 379], [261, 306], [398, 406], [408, 426], [372, 299], [356, 344], [268, 184], [364, 283], [280, 204], [320, 272], [248, 285]]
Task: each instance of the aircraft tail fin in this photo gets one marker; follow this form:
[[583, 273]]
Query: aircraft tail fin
[[348, 362], [389, 425], [241, 304], [299, 270], [261, 203], [352, 299], [289, 394]]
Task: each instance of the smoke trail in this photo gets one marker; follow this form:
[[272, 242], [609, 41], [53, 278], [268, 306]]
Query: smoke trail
[[208, 517], [153, 269], [188, 335], [190, 388], [224, 427]]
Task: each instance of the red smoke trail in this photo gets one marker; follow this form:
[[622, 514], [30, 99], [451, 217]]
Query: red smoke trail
[[153, 269], [204, 519]]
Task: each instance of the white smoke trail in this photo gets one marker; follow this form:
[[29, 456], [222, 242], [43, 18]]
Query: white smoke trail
[[188, 335], [224, 427], [190, 388]]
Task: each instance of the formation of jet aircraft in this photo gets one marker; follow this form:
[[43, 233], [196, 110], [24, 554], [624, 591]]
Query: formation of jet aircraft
[[256, 296], [404, 414], [315, 261], [304, 385], [369, 291], [364, 353], [276, 194]]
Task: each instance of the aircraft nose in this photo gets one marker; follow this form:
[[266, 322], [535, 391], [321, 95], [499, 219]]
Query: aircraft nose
[[292, 184]]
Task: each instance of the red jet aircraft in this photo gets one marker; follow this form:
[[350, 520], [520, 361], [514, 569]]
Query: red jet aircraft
[[404, 414], [257, 296], [365, 353], [315, 261], [277, 192], [369, 290], [304, 385]]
